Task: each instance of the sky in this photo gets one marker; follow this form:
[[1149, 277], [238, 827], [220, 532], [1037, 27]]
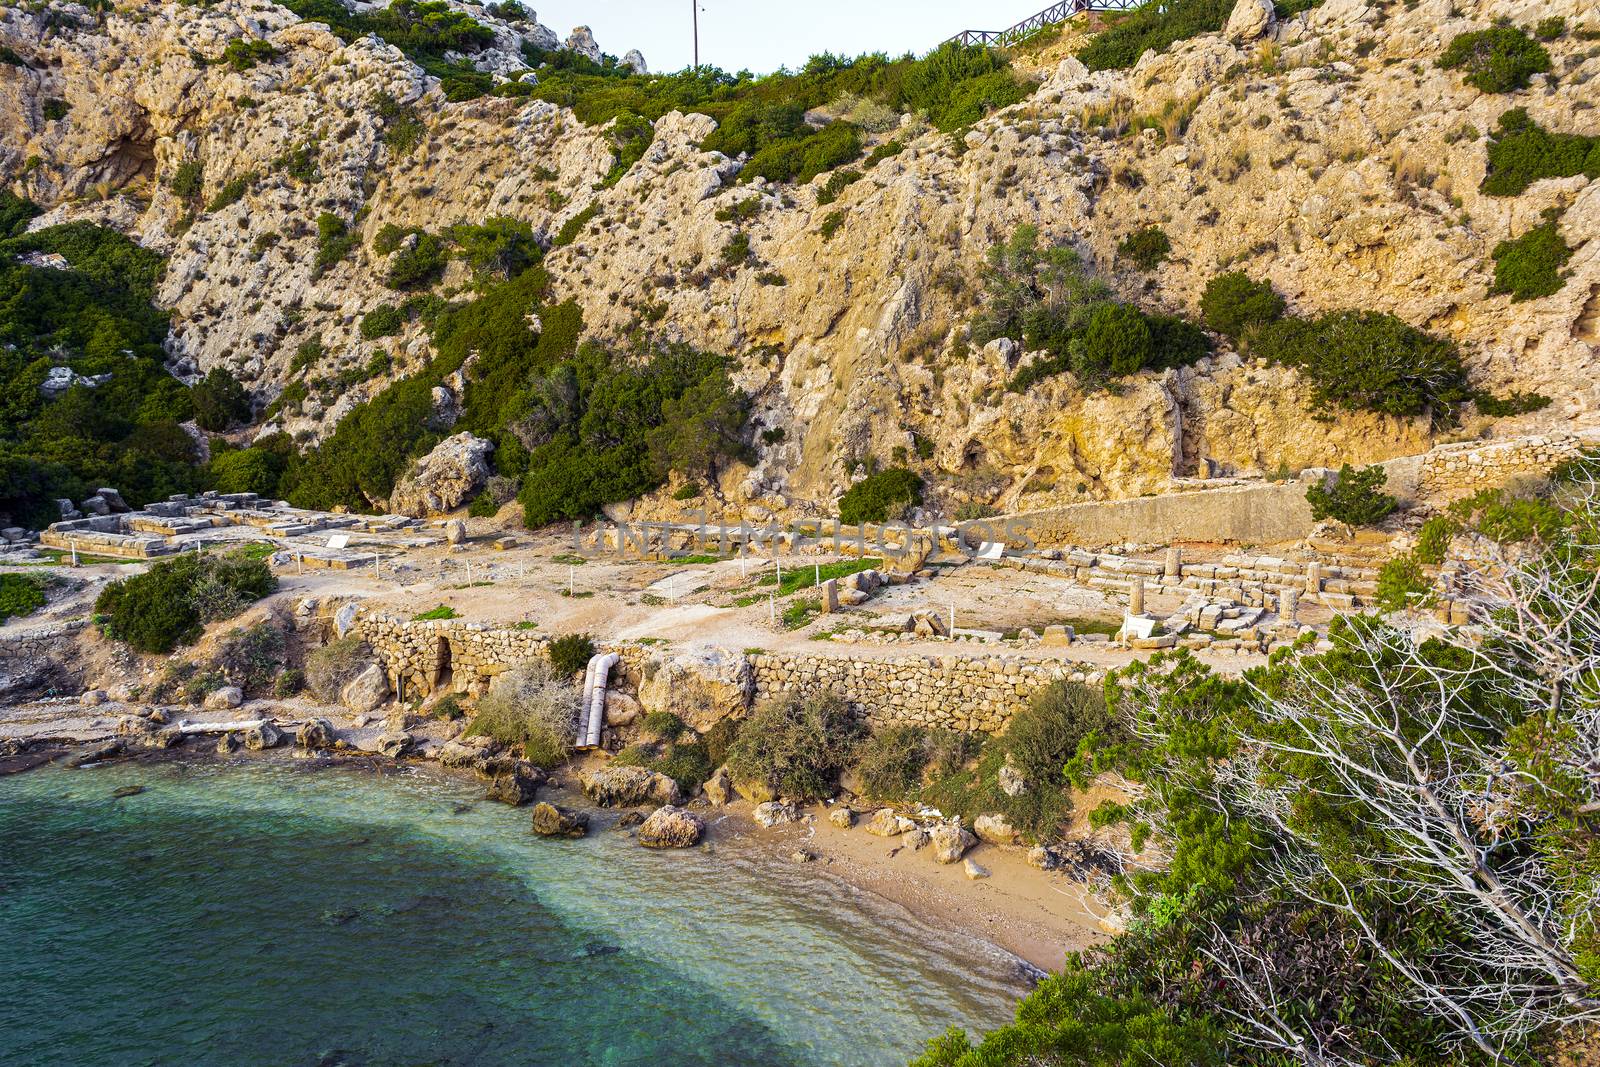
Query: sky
[[762, 35]]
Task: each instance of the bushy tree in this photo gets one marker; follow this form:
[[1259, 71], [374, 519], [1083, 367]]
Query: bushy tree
[[1500, 59], [1355, 497], [880, 497], [168, 605], [1233, 304], [220, 402], [796, 746]]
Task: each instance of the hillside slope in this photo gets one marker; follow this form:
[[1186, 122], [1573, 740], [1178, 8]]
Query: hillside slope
[[1327, 153]]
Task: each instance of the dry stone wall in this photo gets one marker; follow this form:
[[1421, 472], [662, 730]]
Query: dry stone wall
[[947, 691], [1451, 472], [40, 658]]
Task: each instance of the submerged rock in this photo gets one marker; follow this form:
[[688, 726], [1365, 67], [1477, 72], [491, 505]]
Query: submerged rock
[[551, 821], [92, 753], [228, 744], [394, 744], [671, 827]]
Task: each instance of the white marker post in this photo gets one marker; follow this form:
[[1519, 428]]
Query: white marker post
[[818, 565], [74, 553], [952, 620], [772, 602], [572, 577]]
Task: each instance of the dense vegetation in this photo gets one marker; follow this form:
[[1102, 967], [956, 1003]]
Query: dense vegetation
[[795, 746], [20, 594], [95, 319], [1521, 152], [1353, 360], [1046, 299], [1152, 26], [169, 604], [579, 424], [1530, 266], [425, 30], [1355, 497], [1500, 59], [1360, 852], [880, 497]]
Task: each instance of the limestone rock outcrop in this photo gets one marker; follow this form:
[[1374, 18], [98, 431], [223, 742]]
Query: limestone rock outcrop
[[702, 686], [446, 478], [671, 827], [622, 787]]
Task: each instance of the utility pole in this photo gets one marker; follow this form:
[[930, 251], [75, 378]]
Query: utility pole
[[694, 8]]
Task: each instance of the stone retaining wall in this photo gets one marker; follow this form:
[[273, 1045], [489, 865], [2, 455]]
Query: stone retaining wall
[[1451, 472], [40, 658], [949, 691]]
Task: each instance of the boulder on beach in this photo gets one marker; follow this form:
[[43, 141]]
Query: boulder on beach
[[623, 787], [842, 817], [886, 822], [775, 813], [93, 752], [162, 737], [261, 736], [226, 698], [915, 840], [394, 743], [315, 733], [367, 691], [671, 827], [229, 743], [517, 787], [701, 686], [93, 698], [719, 787], [994, 829], [1043, 858], [974, 869], [950, 841], [551, 821]]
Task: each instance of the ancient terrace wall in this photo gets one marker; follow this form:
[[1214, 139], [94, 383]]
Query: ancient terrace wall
[[949, 691], [1451, 472]]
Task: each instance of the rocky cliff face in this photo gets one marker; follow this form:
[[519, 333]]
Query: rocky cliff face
[[1327, 153]]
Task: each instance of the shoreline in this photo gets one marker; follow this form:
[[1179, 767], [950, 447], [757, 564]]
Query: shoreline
[[1035, 917]]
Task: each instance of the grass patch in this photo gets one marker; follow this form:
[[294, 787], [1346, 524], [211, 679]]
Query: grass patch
[[807, 577], [443, 611]]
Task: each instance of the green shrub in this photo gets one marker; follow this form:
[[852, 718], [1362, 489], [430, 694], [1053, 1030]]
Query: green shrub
[[1355, 497], [420, 264], [484, 506], [1116, 342], [1433, 540], [890, 763], [289, 682], [385, 320], [574, 226], [1510, 517], [54, 109], [241, 55], [1233, 304], [1401, 584], [831, 224], [402, 131], [188, 180], [20, 594], [630, 136], [1152, 26], [335, 665], [796, 746], [232, 193], [334, 241], [837, 182], [1548, 29], [220, 402], [880, 497], [1530, 266], [168, 605], [832, 146], [570, 653], [1145, 248], [531, 706], [1371, 361], [502, 247], [1497, 60], [664, 725], [256, 469], [249, 658], [441, 612], [687, 491], [737, 251], [1521, 153]]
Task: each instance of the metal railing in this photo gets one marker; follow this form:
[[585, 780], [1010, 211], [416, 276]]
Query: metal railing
[[1048, 17]]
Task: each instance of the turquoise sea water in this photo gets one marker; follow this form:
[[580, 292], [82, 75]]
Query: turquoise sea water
[[271, 913]]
